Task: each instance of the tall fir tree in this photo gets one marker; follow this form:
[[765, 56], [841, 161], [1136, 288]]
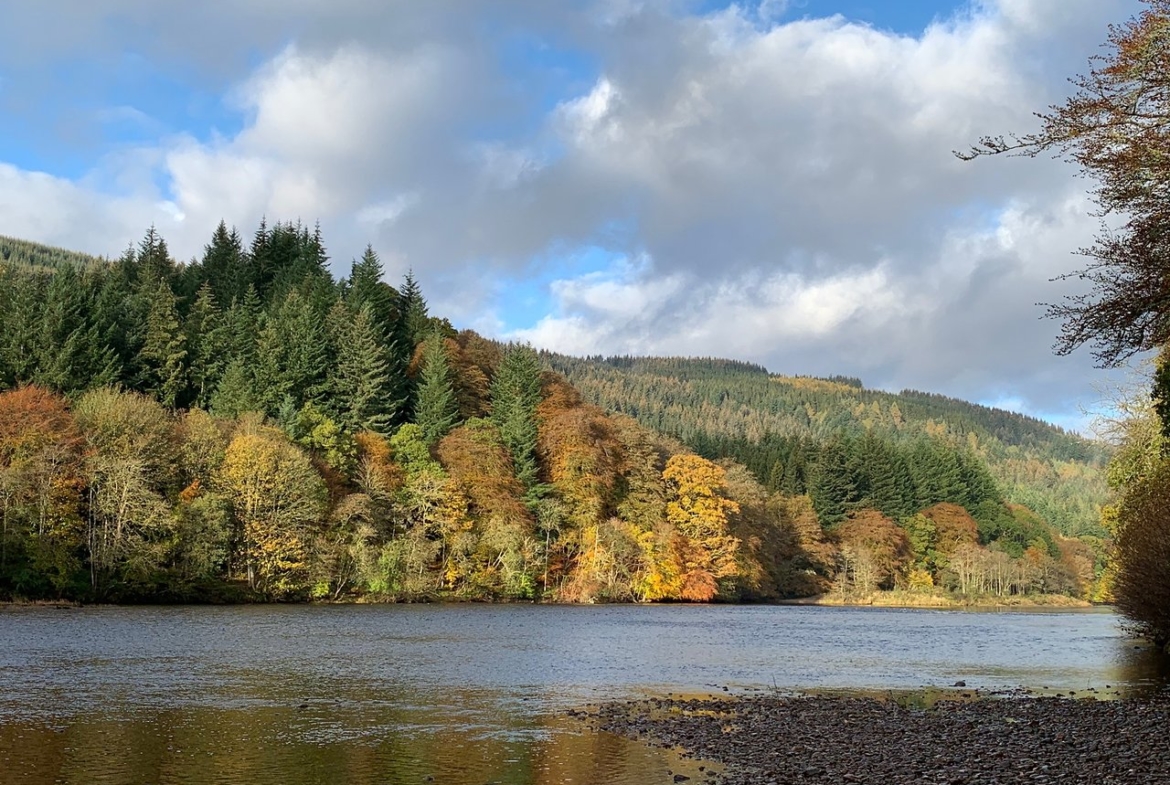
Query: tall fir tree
[[164, 351], [292, 354], [361, 384], [154, 260], [208, 346], [515, 394], [413, 311], [224, 265], [437, 408]]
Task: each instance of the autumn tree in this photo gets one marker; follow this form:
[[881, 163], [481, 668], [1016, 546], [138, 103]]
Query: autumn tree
[[41, 530], [130, 466], [277, 498], [879, 548], [477, 459], [699, 510]]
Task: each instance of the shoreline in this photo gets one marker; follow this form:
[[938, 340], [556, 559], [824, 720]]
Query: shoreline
[[959, 737], [889, 599], [906, 599]]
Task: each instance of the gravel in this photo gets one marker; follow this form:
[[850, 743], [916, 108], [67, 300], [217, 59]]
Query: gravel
[[817, 739]]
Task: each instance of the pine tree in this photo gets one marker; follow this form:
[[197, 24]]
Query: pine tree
[[515, 394], [437, 409], [164, 352]]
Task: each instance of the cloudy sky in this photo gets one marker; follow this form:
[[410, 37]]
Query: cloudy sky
[[770, 181]]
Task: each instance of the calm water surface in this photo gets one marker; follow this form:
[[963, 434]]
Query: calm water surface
[[466, 694]]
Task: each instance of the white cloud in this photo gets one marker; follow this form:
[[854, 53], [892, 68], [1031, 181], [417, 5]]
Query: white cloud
[[792, 182]]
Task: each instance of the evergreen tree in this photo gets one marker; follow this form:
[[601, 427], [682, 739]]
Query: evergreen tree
[[515, 394], [437, 409], [236, 392], [164, 352], [833, 489], [361, 382], [208, 345], [413, 311], [292, 354], [154, 260], [224, 265], [366, 287]]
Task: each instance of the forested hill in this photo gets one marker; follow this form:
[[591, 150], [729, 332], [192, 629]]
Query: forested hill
[[246, 426], [776, 424], [22, 252]]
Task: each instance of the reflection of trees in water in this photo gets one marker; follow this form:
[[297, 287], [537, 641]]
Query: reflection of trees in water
[[1143, 667], [323, 742]]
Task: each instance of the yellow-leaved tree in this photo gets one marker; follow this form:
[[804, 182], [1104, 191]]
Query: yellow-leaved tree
[[278, 499], [699, 510]]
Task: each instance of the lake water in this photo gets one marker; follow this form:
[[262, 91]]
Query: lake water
[[467, 694]]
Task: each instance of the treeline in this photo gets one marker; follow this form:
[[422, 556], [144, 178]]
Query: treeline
[[725, 409], [247, 427]]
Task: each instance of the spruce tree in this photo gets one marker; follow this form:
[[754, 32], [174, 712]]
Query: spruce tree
[[437, 408], [164, 351], [236, 392], [412, 310], [515, 394], [154, 260], [366, 287], [292, 354], [224, 265], [209, 345], [361, 380]]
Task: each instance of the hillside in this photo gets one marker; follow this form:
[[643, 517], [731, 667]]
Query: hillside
[[248, 427], [728, 408], [23, 252]]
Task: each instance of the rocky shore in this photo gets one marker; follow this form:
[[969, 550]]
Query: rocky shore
[[1005, 740]]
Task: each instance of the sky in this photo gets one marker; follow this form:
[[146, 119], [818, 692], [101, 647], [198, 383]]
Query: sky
[[767, 180]]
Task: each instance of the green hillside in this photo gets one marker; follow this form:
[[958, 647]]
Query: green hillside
[[23, 252], [724, 408]]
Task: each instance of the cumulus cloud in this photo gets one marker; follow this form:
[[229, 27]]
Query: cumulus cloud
[[782, 191]]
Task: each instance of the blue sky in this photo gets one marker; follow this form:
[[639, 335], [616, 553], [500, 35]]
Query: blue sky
[[767, 181]]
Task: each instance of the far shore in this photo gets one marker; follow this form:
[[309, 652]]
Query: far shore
[[882, 599], [908, 599]]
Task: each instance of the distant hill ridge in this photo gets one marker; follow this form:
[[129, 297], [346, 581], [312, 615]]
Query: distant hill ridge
[[23, 252], [726, 406]]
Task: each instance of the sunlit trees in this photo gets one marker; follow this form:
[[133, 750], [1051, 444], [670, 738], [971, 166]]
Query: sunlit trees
[[41, 530], [130, 466], [699, 510], [875, 549], [278, 499]]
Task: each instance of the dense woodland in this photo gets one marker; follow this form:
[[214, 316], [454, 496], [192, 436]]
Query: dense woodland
[[246, 427]]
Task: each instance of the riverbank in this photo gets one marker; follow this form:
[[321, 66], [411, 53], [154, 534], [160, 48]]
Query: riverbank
[[959, 741], [913, 599]]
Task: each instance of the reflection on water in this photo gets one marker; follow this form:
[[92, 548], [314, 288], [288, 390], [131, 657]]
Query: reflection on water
[[288, 747], [467, 694]]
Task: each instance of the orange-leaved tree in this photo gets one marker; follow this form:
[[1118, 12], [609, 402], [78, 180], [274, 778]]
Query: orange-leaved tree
[[699, 509]]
